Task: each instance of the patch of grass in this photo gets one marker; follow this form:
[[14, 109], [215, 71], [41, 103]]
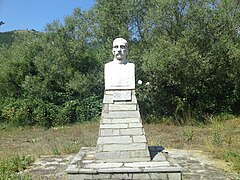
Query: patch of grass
[[10, 168], [232, 156], [188, 133]]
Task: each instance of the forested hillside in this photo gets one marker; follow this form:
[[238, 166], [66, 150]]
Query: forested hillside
[[6, 37], [187, 54]]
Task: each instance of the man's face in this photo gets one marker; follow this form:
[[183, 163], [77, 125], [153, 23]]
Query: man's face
[[119, 50]]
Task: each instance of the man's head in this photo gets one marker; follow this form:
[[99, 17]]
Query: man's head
[[120, 49]]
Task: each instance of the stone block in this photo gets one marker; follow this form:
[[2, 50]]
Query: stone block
[[120, 170], [137, 124], [115, 140], [108, 92], [140, 176], [131, 131], [106, 121], [126, 120], [159, 176], [116, 155], [87, 171], [139, 153], [109, 132], [121, 114], [113, 126], [139, 139], [147, 164], [105, 108], [159, 157], [122, 95], [124, 147], [105, 132], [122, 107], [72, 168], [175, 176], [134, 99], [121, 176], [102, 176], [116, 132], [103, 165], [107, 99], [79, 176]]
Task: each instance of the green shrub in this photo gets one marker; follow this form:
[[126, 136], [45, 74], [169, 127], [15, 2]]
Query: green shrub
[[28, 111]]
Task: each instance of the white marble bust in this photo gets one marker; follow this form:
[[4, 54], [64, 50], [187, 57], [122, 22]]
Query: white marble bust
[[119, 73]]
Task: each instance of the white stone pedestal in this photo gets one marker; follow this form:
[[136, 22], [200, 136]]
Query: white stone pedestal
[[121, 134]]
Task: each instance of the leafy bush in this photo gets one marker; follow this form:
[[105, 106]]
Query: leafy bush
[[22, 112]]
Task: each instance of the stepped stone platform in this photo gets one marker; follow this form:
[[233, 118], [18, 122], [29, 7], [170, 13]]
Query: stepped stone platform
[[122, 151], [84, 166]]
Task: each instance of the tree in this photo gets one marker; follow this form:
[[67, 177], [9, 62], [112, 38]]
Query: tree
[[1, 23]]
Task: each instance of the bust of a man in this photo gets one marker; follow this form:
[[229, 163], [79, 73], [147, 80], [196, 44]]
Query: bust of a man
[[119, 74], [120, 50]]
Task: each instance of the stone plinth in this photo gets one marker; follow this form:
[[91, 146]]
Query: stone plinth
[[121, 134], [119, 76], [85, 166]]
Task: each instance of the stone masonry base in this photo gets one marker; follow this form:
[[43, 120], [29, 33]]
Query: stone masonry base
[[84, 166]]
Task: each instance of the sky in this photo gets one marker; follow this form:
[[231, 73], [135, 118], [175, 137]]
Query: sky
[[35, 14]]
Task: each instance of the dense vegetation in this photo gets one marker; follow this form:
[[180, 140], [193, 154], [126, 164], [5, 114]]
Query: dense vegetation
[[187, 51]]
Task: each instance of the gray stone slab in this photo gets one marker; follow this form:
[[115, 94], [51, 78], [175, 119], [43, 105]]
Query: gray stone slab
[[141, 138], [72, 168], [141, 176], [141, 155], [159, 157], [87, 171], [120, 170], [148, 164], [126, 120], [121, 176], [124, 147], [122, 107], [121, 114], [132, 131], [106, 121], [159, 176], [162, 169], [113, 126], [102, 165], [109, 132], [107, 99], [116, 155], [174, 176], [108, 92], [137, 124], [79, 176], [115, 140], [122, 95]]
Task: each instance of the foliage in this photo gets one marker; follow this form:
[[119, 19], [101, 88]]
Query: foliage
[[6, 37], [186, 51], [10, 167]]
